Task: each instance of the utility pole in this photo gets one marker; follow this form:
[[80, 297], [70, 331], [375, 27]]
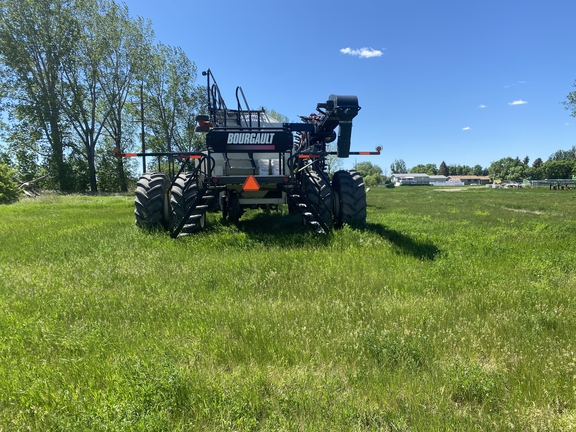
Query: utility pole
[[142, 123]]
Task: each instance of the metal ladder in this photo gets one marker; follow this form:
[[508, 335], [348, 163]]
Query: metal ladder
[[195, 212], [310, 214]]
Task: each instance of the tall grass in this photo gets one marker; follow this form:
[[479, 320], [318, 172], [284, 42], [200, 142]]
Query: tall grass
[[450, 310]]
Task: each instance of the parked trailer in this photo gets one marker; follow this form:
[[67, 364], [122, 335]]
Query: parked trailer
[[254, 161]]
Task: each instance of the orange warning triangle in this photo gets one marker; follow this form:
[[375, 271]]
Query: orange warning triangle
[[251, 184]]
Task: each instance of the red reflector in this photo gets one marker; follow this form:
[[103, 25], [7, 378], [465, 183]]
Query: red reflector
[[189, 157], [251, 185]]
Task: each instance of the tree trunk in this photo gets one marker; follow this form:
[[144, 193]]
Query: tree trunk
[[90, 154], [120, 161], [59, 166]]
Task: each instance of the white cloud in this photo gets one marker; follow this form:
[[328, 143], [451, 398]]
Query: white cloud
[[362, 52], [483, 106], [512, 85], [518, 102], [466, 128]]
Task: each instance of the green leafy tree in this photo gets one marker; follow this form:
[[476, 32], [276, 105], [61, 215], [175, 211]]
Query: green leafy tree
[[82, 97], [562, 155], [558, 169], [99, 75], [373, 180], [508, 168], [107, 168], [398, 167], [24, 143], [4, 156], [367, 168], [68, 68], [9, 191], [417, 169], [129, 43], [277, 116], [36, 37], [477, 170], [172, 98], [372, 174], [429, 169], [570, 102], [460, 170]]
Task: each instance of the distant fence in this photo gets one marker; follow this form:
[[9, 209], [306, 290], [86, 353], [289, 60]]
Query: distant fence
[[551, 182], [447, 183], [410, 182]]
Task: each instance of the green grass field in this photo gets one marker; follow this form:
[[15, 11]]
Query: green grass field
[[453, 309]]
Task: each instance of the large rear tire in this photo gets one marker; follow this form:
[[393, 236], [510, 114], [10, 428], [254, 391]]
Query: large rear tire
[[152, 202], [182, 197], [319, 192], [350, 196]]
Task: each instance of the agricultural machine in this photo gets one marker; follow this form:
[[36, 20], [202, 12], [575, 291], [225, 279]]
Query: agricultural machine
[[254, 161]]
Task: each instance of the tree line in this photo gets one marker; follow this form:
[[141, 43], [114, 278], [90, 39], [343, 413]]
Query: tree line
[[560, 165], [81, 77]]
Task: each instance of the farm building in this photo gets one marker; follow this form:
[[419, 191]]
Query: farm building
[[418, 179], [411, 179], [471, 179], [439, 179]]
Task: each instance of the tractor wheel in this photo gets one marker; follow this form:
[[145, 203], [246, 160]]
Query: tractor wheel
[[319, 192], [235, 212], [350, 197], [152, 202], [182, 196]]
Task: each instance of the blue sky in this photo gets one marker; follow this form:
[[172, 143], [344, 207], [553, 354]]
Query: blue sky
[[466, 82]]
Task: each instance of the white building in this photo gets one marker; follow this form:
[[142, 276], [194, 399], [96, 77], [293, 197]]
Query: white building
[[410, 179]]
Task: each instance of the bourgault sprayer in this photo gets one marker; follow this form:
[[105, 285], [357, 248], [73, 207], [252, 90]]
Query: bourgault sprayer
[[254, 161]]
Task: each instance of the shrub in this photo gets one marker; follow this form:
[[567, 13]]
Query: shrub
[[9, 191]]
